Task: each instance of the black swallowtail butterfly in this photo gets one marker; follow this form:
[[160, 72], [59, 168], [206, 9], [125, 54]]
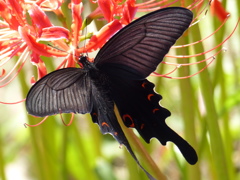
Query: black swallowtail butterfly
[[118, 75]]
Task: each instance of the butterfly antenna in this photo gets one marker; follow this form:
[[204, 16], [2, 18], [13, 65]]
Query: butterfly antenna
[[85, 37], [57, 48], [29, 125], [70, 122]]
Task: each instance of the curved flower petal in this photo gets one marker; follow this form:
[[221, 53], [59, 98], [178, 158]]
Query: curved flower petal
[[54, 33], [129, 11], [107, 7], [39, 18], [77, 8], [50, 4], [35, 59], [36, 47], [98, 40], [12, 12]]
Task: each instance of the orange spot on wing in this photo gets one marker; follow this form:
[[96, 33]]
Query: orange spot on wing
[[105, 124]]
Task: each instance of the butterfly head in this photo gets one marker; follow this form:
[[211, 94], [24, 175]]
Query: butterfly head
[[85, 63]]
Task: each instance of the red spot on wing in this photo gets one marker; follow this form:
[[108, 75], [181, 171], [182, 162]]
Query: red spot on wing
[[142, 126], [149, 96], [127, 116], [144, 85], [154, 110], [94, 114]]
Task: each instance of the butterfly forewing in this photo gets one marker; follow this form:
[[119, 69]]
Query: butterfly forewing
[[62, 91], [138, 48]]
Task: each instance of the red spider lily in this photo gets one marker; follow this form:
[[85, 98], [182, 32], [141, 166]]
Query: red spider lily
[[18, 36]]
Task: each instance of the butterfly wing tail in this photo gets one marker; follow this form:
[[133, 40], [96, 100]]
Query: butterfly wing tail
[[167, 134]]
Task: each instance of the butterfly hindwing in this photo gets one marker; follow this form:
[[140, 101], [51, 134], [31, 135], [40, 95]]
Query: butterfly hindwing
[[103, 114], [139, 107], [62, 91], [136, 50]]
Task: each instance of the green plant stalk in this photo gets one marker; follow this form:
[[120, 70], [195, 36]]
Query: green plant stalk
[[83, 154], [139, 148], [219, 79], [217, 147], [2, 161], [133, 167], [64, 148], [188, 111]]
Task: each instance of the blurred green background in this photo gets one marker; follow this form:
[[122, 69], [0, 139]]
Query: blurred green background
[[205, 110]]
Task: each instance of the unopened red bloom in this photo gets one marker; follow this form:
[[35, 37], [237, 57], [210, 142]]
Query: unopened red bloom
[[218, 10]]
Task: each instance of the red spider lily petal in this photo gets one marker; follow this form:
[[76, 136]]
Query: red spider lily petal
[[107, 7], [70, 61], [76, 1], [35, 59], [32, 80], [8, 12], [95, 14], [3, 73], [129, 11], [50, 4], [39, 18], [36, 47], [77, 8], [98, 40], [17, 10], [16, 6], [218, 10], [54, 33]]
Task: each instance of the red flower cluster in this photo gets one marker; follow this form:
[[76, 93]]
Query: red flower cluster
[[21, 35]]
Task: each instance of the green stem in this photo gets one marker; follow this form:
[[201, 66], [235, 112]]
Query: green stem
[[188, 111], [2, 161], [219, 79], [218, 154]]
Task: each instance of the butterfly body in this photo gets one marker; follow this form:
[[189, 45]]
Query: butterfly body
[[118, 75]]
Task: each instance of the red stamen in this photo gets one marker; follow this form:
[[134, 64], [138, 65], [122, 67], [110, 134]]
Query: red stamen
[[13, 103], [70, 122], [143, 9], [25, 124], [25, 53], [193, 43]]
